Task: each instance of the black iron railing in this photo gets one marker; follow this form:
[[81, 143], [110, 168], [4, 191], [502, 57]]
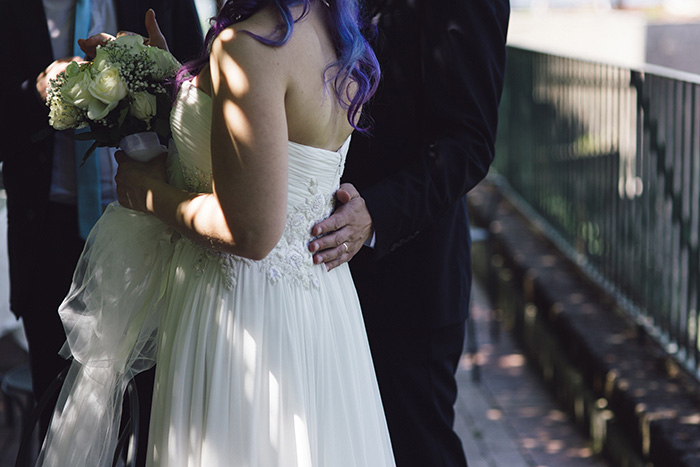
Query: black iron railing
[[609, 159]]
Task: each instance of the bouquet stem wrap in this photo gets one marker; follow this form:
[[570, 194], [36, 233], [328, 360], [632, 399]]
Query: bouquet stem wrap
[[111, 316], [142, 146]]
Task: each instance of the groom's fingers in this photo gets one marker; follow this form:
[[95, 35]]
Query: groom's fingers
[[331, 224], [339, 255], [89, 45], [329, 241], [336, 248], [155, 36], [346, 193], [339, 218]]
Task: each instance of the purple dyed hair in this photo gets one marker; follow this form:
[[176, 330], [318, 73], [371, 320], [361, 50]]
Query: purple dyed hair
[[356, 62]]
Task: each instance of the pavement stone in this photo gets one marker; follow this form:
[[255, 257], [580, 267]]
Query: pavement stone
[[509, 417]]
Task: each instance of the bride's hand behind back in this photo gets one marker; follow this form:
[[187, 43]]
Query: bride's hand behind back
[[136, 180]]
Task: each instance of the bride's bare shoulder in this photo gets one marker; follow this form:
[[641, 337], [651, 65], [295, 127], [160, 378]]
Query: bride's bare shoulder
[[237, 49], [265, 23]]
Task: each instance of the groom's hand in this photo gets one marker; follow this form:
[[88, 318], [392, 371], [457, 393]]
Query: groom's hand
[[155, 37], [343, 233], [89, 45]]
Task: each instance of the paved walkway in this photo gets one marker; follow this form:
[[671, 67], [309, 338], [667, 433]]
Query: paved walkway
[[508, 418]]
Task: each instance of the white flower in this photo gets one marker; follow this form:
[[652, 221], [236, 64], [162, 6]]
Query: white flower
[[72, 69], [102, 59], [133, 42], [64, 116], [75, 90], [166, 64], [143, 106], [108, 89]]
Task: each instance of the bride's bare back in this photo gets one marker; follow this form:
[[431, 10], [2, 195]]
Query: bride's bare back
[[314, 116], [262, 97]]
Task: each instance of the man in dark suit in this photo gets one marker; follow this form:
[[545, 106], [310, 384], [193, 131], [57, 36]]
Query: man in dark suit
[[433, 127], [43, 238]]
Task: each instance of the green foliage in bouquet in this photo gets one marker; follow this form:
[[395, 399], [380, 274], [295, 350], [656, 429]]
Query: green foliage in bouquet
[[125, 90]]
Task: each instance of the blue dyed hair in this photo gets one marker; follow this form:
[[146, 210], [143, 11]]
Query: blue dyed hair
[[356, 62]]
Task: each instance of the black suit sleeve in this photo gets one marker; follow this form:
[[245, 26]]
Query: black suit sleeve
[[185, 37], [25, 53], [462, 63]]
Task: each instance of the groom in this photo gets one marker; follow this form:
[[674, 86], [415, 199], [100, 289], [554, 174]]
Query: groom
[[433, 126], [44, 242]]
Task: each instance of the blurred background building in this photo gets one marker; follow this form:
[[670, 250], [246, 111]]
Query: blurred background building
[[626, 32]]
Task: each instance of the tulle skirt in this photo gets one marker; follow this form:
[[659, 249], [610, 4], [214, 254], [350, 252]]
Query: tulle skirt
[[255, 366]]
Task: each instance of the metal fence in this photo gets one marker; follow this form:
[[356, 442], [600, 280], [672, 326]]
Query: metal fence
[[609, 159]]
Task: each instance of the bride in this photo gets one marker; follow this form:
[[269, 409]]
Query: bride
[[262, 358]]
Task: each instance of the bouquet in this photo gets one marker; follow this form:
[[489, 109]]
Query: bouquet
[[123, 95]]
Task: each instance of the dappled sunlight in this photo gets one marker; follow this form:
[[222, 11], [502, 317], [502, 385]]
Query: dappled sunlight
[[86, 416], [466, 362], [302, 442], [210, 455], [494, 414], [554, 443], [558, 416], [579, 452], [529, 411], [693, 419], [554, 446], [231, 81], [249, 356], [480, 358], [236, 78], [509, 410], [529, 443], [172, 442], [511, 361], [274, 393], [234, 113]]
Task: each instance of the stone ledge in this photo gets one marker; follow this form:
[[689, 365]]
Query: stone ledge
[[637, 405]]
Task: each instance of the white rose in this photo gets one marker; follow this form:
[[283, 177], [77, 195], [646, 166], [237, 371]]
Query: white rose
[[75, 91], [133, 41], [166, 64], [73, 68], [134, 44], [143, 106], [108, 88], [64, 117], [101, 61]]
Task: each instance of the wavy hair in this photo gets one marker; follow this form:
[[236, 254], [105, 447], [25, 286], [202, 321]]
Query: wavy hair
[[356, 64]]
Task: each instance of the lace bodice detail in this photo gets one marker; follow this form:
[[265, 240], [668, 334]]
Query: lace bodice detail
[[314, 176]]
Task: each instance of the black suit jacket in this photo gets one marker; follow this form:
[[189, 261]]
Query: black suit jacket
[[431, 141], [26, 139]]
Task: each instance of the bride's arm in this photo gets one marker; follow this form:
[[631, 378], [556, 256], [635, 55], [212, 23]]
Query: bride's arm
[[246, 212]]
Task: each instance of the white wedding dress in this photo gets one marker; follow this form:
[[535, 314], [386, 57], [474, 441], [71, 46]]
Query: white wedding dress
[[259, 363]]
